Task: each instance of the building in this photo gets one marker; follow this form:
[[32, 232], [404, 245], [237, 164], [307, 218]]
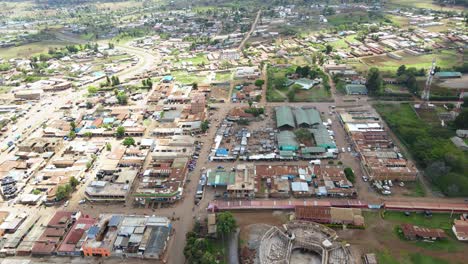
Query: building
[[284, 118], [412, 232], [356, 89], [53, 234], [28, 94], [330, 215], [72, 243], [244, 183], [448, 75], [460, 228], [128, 236]]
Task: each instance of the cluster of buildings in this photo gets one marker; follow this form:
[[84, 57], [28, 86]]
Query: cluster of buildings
[[380, 157], [280, 181], [76, 234]]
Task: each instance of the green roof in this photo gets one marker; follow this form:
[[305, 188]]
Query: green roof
[[448, 74], [307, 150], [287, 141], [287, 153], [284, 117], [221, 178], [308, 117], [322, 138], [356, 89]]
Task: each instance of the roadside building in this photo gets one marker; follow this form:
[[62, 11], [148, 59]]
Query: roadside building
[[356, 89], [71, 245], [413, 232], [284, 118], [460, 228], [53, 234], [447, 75]]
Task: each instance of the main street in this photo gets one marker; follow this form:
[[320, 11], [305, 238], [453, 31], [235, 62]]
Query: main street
[[185, 212]]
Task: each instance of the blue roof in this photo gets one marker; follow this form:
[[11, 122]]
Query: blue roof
[[168, 78], [115, 220], [108, 120], [222, 152], [92, 231]]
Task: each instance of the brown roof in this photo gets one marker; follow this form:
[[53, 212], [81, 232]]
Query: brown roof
[[265, 171], [315, 213], [412, 230]]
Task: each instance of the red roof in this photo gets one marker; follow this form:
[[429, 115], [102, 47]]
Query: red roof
[[79, 228], [422, 232]]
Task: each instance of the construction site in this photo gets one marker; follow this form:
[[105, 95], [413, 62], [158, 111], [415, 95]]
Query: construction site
[[302, 242]]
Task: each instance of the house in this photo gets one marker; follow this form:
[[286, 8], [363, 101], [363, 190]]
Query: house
[[447, 75], [356, 89], [52, 236], [412, 232], [460, 228], [284, 118], [71, 245]]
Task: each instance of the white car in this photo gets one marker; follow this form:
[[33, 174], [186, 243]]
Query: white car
[[385, 192], [82, 201], [349, 149], [364, 178], [343, 150], [66, 203]]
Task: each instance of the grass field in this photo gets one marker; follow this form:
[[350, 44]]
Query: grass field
[[416, 189], [426, 4], [187, 78], [198, 59], [443, 221], [446, 59], [4, 89], [315, 94], [274, 96], [385, 257], [223, 76], [25, 51]]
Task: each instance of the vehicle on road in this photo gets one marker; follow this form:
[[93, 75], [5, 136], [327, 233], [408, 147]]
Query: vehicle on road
[[66, 203]]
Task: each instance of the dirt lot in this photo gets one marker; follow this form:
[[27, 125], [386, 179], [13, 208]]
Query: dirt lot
[[380, 235]]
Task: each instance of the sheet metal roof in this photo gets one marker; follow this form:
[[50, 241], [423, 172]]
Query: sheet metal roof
[[284, 117], [287, 140], [157, 240]]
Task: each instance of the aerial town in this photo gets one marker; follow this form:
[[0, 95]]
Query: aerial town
[[247, 131]]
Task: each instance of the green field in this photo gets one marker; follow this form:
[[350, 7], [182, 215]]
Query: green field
[[223, 76], [274, 96], [198, 59], [25, 51], [187, 78], [426, 4], [384, 257], [443, 221], [446, 59], [315, 94]]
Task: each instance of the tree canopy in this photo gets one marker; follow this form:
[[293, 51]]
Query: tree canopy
[[374, 81]]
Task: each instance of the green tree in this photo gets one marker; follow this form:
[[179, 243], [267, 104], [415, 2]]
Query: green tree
[[72, 134], [259, 83], [73, 182], [279, 83], [303, 135], [350, 174], [401, 70], [108, 146], [461, 121], [120, 132], [88, 134], [205, 125], [122, 98], [328, 49], [129, 141], [374, 81], [225, 224], [92, 90]]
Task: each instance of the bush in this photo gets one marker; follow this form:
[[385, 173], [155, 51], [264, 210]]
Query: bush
[[350, 174]]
